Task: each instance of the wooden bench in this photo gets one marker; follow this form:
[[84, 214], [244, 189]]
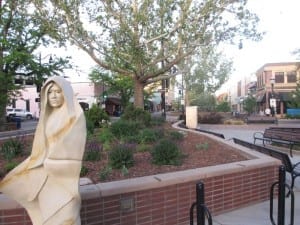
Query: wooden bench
[[293, 169], [284, 136], [261, 119]]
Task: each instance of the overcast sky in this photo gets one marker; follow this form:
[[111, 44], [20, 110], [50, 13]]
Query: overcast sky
[[279, 19]]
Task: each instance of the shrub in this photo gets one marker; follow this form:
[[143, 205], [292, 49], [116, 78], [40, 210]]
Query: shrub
[[121, 155], [149, 135], [124, 128], [90, 127], [166, 152], [84, 171], [93, 151], [9, 166], [106, 136], [105, 172], [96, 116], [143, 147], [11, 148], [132, 113], [212, 118], [157, 120], [176, 135]]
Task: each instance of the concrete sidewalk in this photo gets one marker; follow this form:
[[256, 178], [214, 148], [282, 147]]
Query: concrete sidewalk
[[257, 214]]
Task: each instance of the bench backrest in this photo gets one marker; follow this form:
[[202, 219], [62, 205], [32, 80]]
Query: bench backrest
[[287, 129], [282, 135], [283, 157]]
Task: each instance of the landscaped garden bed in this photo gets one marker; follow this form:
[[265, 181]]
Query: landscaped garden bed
[[143, 192]]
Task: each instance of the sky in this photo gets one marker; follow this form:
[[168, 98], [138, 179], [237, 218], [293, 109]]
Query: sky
[[278, 18]]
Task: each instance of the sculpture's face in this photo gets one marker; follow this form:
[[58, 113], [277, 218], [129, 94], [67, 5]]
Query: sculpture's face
[[55, 96]]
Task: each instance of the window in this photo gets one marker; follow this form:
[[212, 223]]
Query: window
[[279, 77], [291, 77]]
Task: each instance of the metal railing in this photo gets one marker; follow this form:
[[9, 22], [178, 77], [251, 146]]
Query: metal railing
[[281, 199], [202, 212]]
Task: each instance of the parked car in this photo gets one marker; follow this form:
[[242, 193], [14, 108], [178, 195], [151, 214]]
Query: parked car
[[21, 113]]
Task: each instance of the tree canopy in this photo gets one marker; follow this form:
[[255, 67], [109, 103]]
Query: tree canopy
[[21, 34], [143, 40]]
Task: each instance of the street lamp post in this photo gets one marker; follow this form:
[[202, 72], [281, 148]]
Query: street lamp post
[[272, 99]]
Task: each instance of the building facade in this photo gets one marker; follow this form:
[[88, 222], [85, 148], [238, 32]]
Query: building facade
[[87, 93], [275, 82]]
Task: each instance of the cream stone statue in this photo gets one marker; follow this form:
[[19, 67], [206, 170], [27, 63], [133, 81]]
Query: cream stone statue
[[46, 184]]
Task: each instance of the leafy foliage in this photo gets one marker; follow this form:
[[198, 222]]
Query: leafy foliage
[[149, 135], [132, 113], [295, 98], [22, 33], [96, 116], [118, 85], [125, 128], [211, 118], [250, 104], [121, 155], [134, 38], [206, 102], [166, 152], [93, 150], [176, 135], [11, 149], [223, 107], [105, 172]]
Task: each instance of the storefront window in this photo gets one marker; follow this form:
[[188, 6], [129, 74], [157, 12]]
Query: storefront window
[[279, 77], [291, 77]]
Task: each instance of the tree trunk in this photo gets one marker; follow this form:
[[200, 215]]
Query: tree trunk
[[138, 94]]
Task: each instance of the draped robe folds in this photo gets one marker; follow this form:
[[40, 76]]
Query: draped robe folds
[[46, 184]]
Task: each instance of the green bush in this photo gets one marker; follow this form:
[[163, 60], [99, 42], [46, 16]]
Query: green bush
[[149, 135], [136, 114], [158, 120], [96, 116], [106, 136], [124, 128], [212, 118], [9, 166], [93, 151], [84, 171], [103, 174], [166, 152], [176, 135], [121, 155], [89, 127], [143, 147], [11, 148]]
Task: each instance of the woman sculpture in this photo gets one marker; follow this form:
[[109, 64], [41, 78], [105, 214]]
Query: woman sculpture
[[46, 184]]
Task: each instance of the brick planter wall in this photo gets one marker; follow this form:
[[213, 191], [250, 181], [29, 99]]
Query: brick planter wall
[[165, 199]]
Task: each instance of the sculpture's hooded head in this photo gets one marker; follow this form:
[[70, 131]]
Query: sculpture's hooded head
[[67, 92]]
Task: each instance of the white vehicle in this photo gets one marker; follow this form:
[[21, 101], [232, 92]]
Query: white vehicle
[[14, 112]]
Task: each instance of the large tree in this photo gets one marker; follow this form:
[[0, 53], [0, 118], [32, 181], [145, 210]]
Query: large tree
[[21, 34], [205, 73], [116, 83], [145, 39]]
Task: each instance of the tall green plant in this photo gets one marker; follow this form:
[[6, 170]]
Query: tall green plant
[[250, 104]]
